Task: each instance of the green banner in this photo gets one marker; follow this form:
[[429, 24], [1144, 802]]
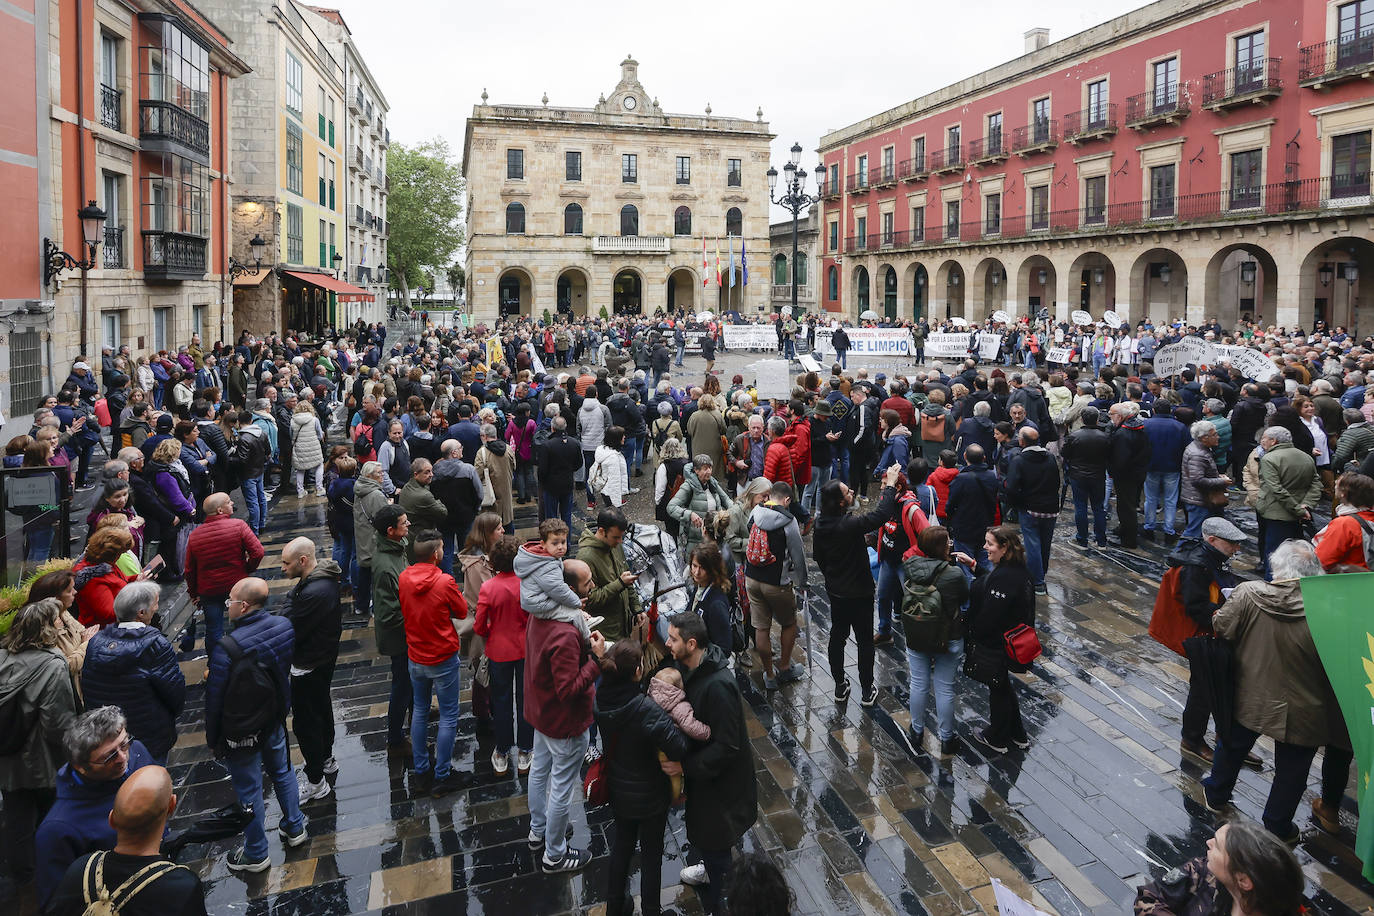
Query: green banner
[[1343, 629]]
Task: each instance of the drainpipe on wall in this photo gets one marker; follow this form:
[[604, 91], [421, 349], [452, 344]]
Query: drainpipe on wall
[[81, 153], [224, 207]]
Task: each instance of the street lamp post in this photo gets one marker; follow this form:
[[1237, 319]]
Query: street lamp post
[[794, 200]]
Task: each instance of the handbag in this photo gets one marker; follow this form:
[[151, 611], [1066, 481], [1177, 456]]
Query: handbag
[[1022, 643], [488, 491], [596, 785], [1217, 498], [986, 665]]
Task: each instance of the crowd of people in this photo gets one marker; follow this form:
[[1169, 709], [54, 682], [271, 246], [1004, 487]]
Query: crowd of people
[[928, 500]]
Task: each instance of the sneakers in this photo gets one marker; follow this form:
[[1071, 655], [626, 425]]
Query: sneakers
[[593, 752], [500, 762], [1214, 805], [573, 860], [842, 691], [1041, 589], [294, 839], [331, 766], [1081, 542], [981, 737], [450, 783], [524, 760], [319, 491], [309, 791], [536, 842], [694, 875], [239, 862], [870, 696], [1021, 743], [300, 494], [744, 659], [770, 683], [915, 741], [789, 674]]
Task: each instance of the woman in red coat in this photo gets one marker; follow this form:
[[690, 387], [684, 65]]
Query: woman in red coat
[[98, 579], [502, 621]]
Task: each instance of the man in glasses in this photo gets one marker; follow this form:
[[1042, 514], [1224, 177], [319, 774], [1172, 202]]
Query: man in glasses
[[100, 755]]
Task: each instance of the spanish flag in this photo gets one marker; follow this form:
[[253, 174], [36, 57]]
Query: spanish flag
[[705, 278], [718, 274]]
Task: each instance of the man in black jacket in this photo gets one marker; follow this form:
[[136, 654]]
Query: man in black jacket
[[458, 487], [722, 791], [1128, 460], [249, 461], [213, 437], [842, 553], [1248, 417], [1032, 488], [558, 463], [281, 412], [316, 616], [1085, 454], [973, 505]]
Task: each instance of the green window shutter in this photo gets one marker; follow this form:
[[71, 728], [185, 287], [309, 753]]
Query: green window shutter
[[323, 197], [331, 133], [331, 195], [323, 252], [321, 126]]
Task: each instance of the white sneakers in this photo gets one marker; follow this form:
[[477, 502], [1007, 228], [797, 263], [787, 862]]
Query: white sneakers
[[694, 875], [331, 766], [500, 762], [523, 763], [309, 791]]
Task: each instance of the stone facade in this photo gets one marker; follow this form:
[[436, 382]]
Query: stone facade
[[645, 259], [780, 255]]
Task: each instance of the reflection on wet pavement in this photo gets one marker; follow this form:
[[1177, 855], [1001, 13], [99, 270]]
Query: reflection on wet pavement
[[1101, 800]]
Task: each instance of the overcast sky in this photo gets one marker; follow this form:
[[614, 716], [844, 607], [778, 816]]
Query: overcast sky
[[811, 66]]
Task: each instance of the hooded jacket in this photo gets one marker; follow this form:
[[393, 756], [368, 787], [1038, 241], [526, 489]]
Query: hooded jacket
[[640, 729], [1033, 481], [593, 419], [457, 486], [135, 668], [388, 562], [897, 449], [722, 792], [975, 431], [39, 680], [559, 461], [430, 601], [251, 451], [368, 500], [609, 598], [1129, 451], [1288, 481], [306, 450], [1202, 568], [785, 542], [626, 413], [315, 613], [542, 589]]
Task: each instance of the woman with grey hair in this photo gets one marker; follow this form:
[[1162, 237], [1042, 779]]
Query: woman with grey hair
[[697, 501], [668, 477], [35, 679], [133, 666], [495, 461], [1281, 691], [1203, 489]]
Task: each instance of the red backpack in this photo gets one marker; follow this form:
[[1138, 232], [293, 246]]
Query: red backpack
[[759, 552], [913, 521], [1170, 623]]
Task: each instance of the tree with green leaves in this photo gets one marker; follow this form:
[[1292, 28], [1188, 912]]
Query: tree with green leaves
[[425, 208], [457, 278]]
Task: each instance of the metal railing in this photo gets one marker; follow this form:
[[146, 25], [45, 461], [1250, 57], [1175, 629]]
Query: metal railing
[[172, 255], [112, 256], [111, 107], [1338, 58], [1036, 135], [357, 162], [882, 174], [1260, 77], [912, 169], [1159, 105], [1099, 120], [946, 159], [831, 188], [857, 182], [784, 291], [1310, 195], [165, 121], [987, 148]]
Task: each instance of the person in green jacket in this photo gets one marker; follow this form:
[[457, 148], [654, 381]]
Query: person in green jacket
[[1289, 487], [614, 595], [422, 507], [388, 562]]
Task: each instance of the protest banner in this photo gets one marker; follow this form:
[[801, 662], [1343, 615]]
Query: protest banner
[[774, 379], [947, 345], [535, 362], [1253, 364], [988, 345], [750, 336], [1111, 319], [1337, 612], [1081, 317], [1059, 355], [870, 342], [1001, 317]]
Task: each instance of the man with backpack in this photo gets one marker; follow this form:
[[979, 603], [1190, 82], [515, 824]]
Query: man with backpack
[[247, 698], [249, 460], [775, 566], [841, 551]]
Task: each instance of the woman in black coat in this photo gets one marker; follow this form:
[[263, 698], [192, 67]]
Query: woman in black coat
[[1002, 599], [709, 593], [634, 730]]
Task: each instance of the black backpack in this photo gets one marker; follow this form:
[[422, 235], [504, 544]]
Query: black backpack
[[924, 623], [253, 698]]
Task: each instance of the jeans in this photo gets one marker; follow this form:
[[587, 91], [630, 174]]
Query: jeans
[[1276, 531], [213, 609], [842, 357], [24, 810], [634, 453], [946, 666], [681, 351], [312, 718], [524, 479], [445, 680], [302, 476], [979, 554], [839, 468], [256, 499], [245, 771], [890, 580], [555, 778], [789, 348], [1088, 494], [811, 495], [1291, 764], [1030, 360], [345, 553], [399, 702], [450, 539], [852, 613], [1038, 536], [1161, 491], [558, 506], [646, 833], [1004, 714], [508, 706], [1196, 516], [40, 540]]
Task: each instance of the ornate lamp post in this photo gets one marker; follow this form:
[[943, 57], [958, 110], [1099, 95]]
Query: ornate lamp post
[[55, 260], [238, 269], [794, 200]]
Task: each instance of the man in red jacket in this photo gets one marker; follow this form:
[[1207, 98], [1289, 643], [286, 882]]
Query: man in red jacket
[[430, 601], [560, 687], [219, 553]]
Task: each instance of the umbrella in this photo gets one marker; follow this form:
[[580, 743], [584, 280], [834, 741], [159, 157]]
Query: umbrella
[[958, 322], [216, 825], [733, 315], [806, 624], [705, 316], [1214, 660], [869, 315]]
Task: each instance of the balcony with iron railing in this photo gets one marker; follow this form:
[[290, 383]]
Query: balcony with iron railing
[[783, 291], [882, 176], [355, 102], [1287, 199], [385, 138], [1338, 60], [831, 189], [1252, 83], [631, 244], [1092, 123], [356, 217], [857, 183], [112, 254], [1036, 137], [949, 159], [111, 108], [173, 256], [362, 275], [381, 226], [356, 163], [1153, 109], [912, 169], [987, 150], [165, 127]]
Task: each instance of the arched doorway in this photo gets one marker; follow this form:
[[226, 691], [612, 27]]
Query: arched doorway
[[1036, 280], [890, 294], [682, 285], [861, 291], [514, 293], [917, 281], [990, 286], [627, 293], [572, 293], [1242, 285], [949, 283], [1159, 284], [1094, 276], [1330, 284]]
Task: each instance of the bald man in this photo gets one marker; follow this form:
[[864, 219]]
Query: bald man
[[316, 616], [139, 818], [219, 553], [245, 752]]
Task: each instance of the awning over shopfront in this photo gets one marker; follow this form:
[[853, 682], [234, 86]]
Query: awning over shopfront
[[247, 280], [346, 292]]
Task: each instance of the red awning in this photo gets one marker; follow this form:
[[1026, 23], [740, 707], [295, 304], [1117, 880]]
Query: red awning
[[346, 291]]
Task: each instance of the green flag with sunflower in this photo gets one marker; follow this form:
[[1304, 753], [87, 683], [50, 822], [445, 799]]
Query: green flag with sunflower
[[1342, 627]]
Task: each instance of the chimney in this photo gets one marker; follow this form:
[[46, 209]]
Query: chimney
[[1036, 39]]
